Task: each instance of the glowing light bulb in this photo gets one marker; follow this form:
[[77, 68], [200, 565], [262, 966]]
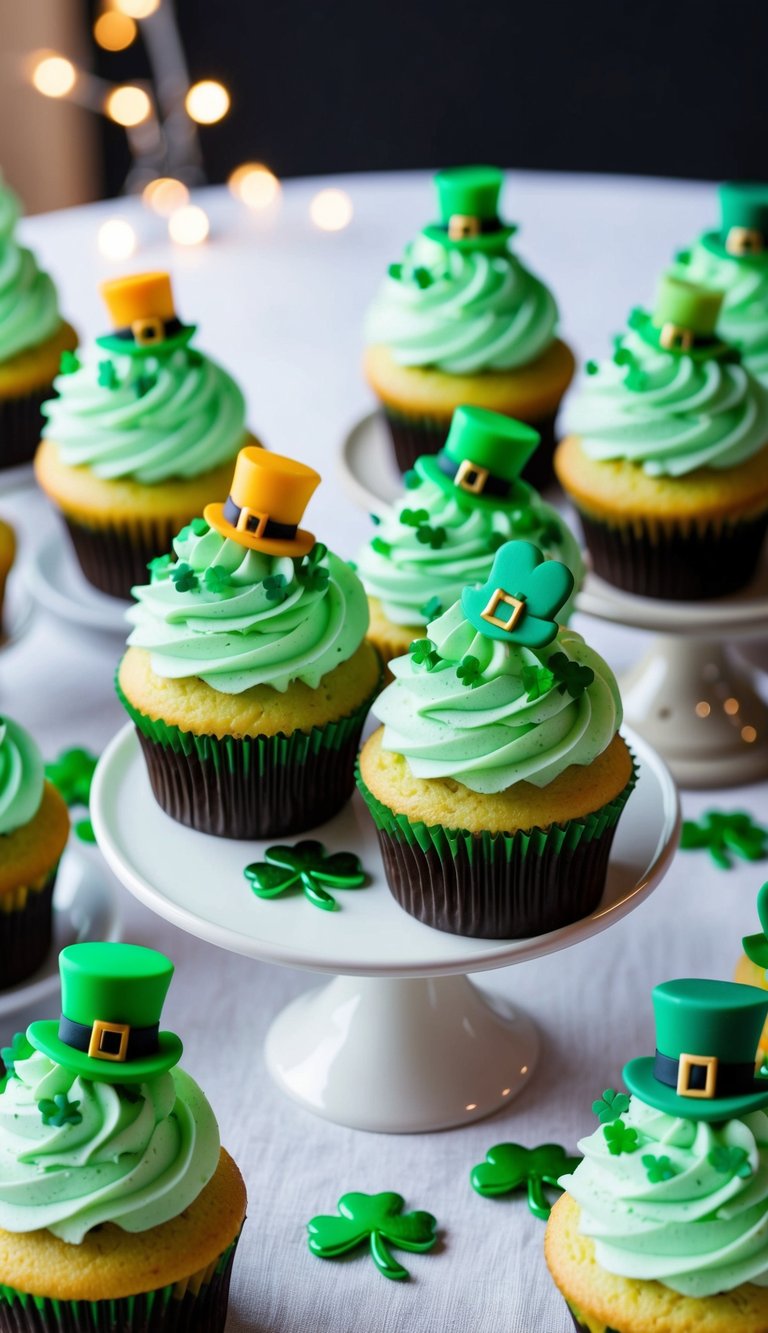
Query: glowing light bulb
[[114, 31], [137, 9], [331, 210], [128, 105], [254, 184], [189, 225], [116, 239], [54, 76], [165, 195], [207, 101]]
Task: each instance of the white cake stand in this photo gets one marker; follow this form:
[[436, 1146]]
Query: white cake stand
[[400, 1040], [56, 581]]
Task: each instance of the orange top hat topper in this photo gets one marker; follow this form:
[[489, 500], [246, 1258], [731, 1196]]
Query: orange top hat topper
[[143, 315], [266, 504]]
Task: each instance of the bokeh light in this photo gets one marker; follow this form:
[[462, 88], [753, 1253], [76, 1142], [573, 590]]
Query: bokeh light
[[116, 239], [53, 76], [331, 210], [128, 105], [137, 9], [164, 195], [254, 184], [207, 101], [114, 31], [189, 225]]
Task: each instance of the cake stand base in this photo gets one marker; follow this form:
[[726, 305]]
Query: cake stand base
[[401, 1056]]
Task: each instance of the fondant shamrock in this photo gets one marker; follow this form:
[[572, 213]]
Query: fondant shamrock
[[69, 363], [196, 528], [726, 834], [730, 1161], [610, 1106], [307, 866], [423, 653], [275, 587], [72, 773], [431, 609], [523, 595], [143, 383], [377, 1220], [413, 518], [159, 565], [468, 671], [571, 676], [184, 577], [59, 1111], [411, 480], [19, 1049], [432, 537], [659, 1168], [509, 1167], [107, 375], [217, 579], [537, 680], [620, 1138], [312, 573]]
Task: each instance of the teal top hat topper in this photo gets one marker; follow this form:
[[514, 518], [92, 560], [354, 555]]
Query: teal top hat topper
[[111, 1000], [482, 458], [756, 946], [684, 320], [523, 595], [707, 1035], [143, 315], [468, 201], [743, 220]]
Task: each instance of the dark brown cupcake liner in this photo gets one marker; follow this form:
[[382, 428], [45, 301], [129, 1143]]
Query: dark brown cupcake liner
[[21, 425], [502, 886], [114, 558], [414, 436], [673, 562], [25, 934], [584, 1328]]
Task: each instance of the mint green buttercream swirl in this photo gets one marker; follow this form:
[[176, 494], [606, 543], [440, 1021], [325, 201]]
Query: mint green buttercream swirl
[[670, 413], [462, 311], [743, 319], [138, 1156], [168, 416], [493, 735], [701, 1231], [258, 620], [406, 574], [22, 777], [29, 308]]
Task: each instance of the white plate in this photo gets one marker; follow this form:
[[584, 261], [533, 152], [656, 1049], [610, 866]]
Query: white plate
[[56, 581], [84, 909], [196, 881], [367, 465], [18, 611], [743, 613]]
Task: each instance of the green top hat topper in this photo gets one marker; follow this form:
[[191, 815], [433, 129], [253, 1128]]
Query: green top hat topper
[[111, 1001], [743, 230], [684, 320], [756, 946], [523, 595], [482, 458], [707, 1034], [468, 201]]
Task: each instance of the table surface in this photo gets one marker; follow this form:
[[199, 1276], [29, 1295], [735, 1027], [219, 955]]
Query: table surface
[[281, 303]]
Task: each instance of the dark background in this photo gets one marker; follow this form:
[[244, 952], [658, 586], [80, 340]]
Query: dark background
[[669, 89]]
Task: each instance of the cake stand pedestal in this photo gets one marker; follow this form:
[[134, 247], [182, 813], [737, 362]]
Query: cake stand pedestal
[[400, 1041], [690, 696]]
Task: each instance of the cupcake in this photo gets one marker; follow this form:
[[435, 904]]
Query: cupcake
[[498, 777], [663, 1225], [667, 463], [33, 337], [459, 507], [34, 827], [141, 435], [7, 557], [734, 260], [119, 1209], [247, 675], [751, 967], [462, 321]]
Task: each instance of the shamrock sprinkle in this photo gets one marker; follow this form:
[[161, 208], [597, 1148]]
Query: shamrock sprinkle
[[275, 587], [307, 866], [107, 375], [658, 1169], [509, 1167], [395, 271], [69, 363], [381, 547], [423, 653], [413, 518], [314, 577], [379, 1221], [468, 671], [184, 578], [620, 1138], [411, 479], [571, 676], [431, 609], [196, 528], [636, 379], [592, 367], [725, 835], [433, 537], [730, 1161], [59, 1111], [422, 277], [143, 383], [72, 773], [610, 1106], [217, 579], [537, 680], [19, 1049], [159, 565]]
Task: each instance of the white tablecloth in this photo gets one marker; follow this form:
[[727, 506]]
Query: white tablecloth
[[281, 303]]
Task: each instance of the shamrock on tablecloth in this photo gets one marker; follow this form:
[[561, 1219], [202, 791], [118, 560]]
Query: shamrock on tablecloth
[[71, 774], [377, 1220], [305, 866], [724, 835], [509, 1166]]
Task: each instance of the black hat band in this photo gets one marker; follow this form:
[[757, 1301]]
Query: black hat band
[[475, 480], [165, 328], [109, 1041], [479, 226], [705, 1076], [261, 525]]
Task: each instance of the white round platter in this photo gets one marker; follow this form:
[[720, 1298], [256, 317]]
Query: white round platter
[[18, 611], [56, 582]]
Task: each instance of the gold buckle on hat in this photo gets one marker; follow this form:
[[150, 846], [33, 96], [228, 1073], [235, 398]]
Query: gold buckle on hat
[[744, 241], [691, 1062], [500, 597], [674, 338], [149, 330], [100, 1029], [461, 226], [245, 518], [471, 477]]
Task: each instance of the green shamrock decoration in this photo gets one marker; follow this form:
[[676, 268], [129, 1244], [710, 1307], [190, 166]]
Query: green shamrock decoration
[[306, 865], [196, 528], [107, 375], [571, 676], [312, 573], [59, 1111], [432, 609], [537, 680], [468, 671], [730, 1161], [411, 480], [377, 1220], [422, 277], [432, 537], [658, 1169], [19, 1049], [381, 547], [519, 572], [610, 1106], [159, 565], [275, 587], [69, 363], [423, 653], [592, 367], [620, 1138], [413, 518], [509, 1167], [72, 774], [395, 271], [184, 578], [217, 579], [143, 383], [725, 835]]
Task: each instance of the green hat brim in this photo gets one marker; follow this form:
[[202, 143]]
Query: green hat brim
[[639, 1078], [430, 470], [756, 949], [712, 349], [44, 1036], [714, 243], [487, 240], [127, 347]]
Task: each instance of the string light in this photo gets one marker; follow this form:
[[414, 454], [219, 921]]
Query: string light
[[189, 225], [116, 239], [207, 102], [165, 195], [331, 210], [54, 76], [137, 9], [114, 31], [254, 184], [128, 105]]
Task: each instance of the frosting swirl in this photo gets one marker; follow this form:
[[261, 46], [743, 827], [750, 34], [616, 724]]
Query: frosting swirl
[[134, 1155], [493, 735], [700, 1231], [148, 418], [235, 617], [29, 308], [462, 311], [670, 413], [22, 777], [743, 319]]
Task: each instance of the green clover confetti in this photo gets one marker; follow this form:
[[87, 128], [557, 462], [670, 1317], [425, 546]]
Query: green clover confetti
[[468, 671], [184, 577], [620, 1138], [413, 518], [20, 1049], [422, 277], [376, 1220], [423, 653], [431, 609], [196, 528], [59, 1111], [69, 363], [107, 375], [159, 566], [571, 676], [537, 680], [592, 367], [308, 867], [432, 537], [659, 1168], [381, 547], [725, 835], [610, 1106], [72, 774], [730, 1161], [275, 587], [509, 1167], [395, 271], [411, 479], [217, 579]]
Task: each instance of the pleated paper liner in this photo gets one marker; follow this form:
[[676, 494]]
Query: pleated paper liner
[[251, 787], [497, 885], [114, 558], [595, 1326], [414, 436], [197, 1304], [21, 424], [676, 561], [26, 920]]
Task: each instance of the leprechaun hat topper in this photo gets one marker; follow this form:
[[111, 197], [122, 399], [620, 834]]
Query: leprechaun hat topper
[[143, 316], [112, 998], [756, 946], [482, 458], [266, 504], [707, 1035], [743, 220], [684, 319], [468, 202], [521, 598]]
